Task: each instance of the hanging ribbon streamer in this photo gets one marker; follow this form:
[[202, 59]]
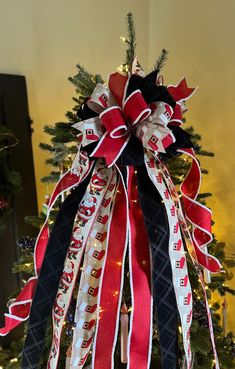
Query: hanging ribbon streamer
[[111, 283], [85, 218], [177, 257], [87, 299], [190, 247], [198, 215], [140, 335]]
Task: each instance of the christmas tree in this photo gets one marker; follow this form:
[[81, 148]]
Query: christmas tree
[[62, 149]]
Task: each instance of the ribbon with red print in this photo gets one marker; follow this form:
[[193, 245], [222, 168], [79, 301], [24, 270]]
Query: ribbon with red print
[[88, 210], [87, 299], [177, 256], [190, 247], [20, 308]]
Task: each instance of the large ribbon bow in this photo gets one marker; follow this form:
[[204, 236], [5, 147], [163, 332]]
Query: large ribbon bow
[[120, 117]]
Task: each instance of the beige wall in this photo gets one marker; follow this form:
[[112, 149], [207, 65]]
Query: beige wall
[[200, 37], [45, 39]]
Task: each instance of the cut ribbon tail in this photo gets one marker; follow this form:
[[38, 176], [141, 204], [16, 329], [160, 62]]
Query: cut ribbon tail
[[111, 284], [198, 215], [19, 310]]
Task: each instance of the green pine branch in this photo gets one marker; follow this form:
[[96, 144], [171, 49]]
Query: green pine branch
[[161, 60], [130, 41]]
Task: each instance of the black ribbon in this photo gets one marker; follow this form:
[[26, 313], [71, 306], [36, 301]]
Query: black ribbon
[[49, 278], [157, 227]]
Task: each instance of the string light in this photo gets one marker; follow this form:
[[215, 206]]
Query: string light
[[180, 329], [119, 263], [120, 68], [14, 360], [123, 38], [115, 293]]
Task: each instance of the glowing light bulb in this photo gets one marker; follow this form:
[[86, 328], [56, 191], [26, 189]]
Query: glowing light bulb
[[120, 68], [123, 38], [14, 360]]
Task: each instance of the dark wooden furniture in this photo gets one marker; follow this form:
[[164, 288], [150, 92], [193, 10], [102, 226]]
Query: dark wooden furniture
[[14, 114]]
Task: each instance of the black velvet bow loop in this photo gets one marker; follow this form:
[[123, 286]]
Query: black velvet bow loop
[[150, 91], [84, 112]]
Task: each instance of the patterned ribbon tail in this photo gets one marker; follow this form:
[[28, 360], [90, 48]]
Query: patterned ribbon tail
[[178, 276], [87, 212], [87, 299], [190, 247]]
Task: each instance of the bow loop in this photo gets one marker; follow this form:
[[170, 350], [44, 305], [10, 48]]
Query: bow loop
[[99, 98], [112, 119], [135, 108]]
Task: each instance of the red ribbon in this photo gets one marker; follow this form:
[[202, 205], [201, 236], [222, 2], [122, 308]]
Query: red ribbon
[[118, 124], [111, 284], [198, 214], [140, 337], [19, 310], [180, 93]]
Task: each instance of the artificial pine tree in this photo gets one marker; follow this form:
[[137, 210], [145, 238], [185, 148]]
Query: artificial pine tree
[[61, 150]]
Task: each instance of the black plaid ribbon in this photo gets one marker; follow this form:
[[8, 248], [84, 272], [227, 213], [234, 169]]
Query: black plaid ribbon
[[49, 278], [165, 306]]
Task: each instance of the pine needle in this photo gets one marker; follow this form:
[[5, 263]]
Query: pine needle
[[130, 41], [161, 60]]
